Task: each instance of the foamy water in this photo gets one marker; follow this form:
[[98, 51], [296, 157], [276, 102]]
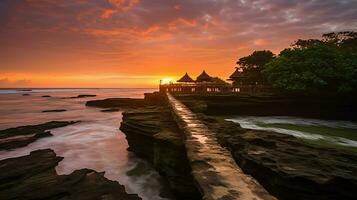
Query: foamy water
[[254, 122], [95, 143]]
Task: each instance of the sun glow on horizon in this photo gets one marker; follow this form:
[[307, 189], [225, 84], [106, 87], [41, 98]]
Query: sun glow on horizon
[[166, 80]]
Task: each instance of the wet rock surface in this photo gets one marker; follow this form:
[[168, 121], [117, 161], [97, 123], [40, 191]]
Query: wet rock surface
[[153, 135], [24, 135], [37, 179], [321, 107], [80, 96], [115, 103], [111, 110], [288, 168], [213, 167], [57, 110]]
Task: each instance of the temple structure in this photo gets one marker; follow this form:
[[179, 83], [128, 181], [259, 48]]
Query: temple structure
[[205, 83], [237, 77]]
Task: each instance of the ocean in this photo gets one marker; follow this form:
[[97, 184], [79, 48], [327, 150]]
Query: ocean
[[95, 143]]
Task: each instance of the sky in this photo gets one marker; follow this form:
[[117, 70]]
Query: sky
[[135, 43]]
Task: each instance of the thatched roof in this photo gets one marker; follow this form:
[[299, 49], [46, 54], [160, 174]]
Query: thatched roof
[[185, 79], [204, 77], [236, 74]]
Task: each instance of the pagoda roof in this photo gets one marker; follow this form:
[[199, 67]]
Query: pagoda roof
[[185, 79], [236, 74], [204, 77]]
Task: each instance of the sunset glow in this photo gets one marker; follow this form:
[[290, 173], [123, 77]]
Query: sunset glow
[[167, 80], [136, 43]]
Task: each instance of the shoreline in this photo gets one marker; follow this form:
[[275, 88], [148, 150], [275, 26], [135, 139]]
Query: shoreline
[[256, 153], [286, 167]]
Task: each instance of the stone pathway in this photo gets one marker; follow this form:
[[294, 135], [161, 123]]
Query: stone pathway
[[213, 168]]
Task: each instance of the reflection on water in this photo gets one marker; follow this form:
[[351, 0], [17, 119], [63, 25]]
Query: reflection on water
[[262, 123], [96, 142]]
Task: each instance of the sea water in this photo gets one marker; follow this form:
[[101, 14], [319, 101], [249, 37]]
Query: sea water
[[339, 133], [95, 143]]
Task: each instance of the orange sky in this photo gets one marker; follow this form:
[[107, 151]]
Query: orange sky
[[135, 43]]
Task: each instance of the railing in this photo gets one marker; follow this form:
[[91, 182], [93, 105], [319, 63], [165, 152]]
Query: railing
[[187, 88]]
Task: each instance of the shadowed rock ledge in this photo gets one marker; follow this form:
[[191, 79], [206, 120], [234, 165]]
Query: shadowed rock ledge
[[37, 179]]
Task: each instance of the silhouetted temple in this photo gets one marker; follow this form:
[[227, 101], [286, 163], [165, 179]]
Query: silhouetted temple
[[204, 83], [237, 77], [185, 79], [204, 77]]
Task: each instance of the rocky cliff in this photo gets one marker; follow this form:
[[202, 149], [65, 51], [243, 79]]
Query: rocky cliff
[[286, 167], [322, 107], [153, 135], [37, 179]]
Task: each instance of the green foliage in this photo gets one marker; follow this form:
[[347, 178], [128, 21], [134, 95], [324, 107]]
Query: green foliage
[[328, 65], [253, 64]]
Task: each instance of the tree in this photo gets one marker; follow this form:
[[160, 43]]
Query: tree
[[253, 64], [328, 65]]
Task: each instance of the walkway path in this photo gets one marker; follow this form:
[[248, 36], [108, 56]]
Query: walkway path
[[213, 167]]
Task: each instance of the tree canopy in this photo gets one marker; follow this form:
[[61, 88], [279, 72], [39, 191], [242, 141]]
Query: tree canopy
[[253, 64], [327, 65]]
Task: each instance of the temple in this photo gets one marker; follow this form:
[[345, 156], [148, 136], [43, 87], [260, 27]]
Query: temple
[[205, 84]]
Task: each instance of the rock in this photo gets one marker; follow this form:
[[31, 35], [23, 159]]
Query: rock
[[111, 110], [25, 94], [151, 99], [46, 96], [37, 179], [24, 90], [83, 96], [117, 103], [24, 135], [321, 107], [58, 110], [287, 167], [80, 96], [152, 134]]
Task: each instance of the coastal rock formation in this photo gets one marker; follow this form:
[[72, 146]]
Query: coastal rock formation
[[286, 167], [153, 135], [37, 179], [24, 135], [213, 167], [80, 96], [57, 110], [113, 103], [84, 96], [322, 107], [110, 110]]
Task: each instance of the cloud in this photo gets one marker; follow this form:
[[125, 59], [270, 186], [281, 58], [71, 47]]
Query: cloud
[[7, 83], [143, 36]]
